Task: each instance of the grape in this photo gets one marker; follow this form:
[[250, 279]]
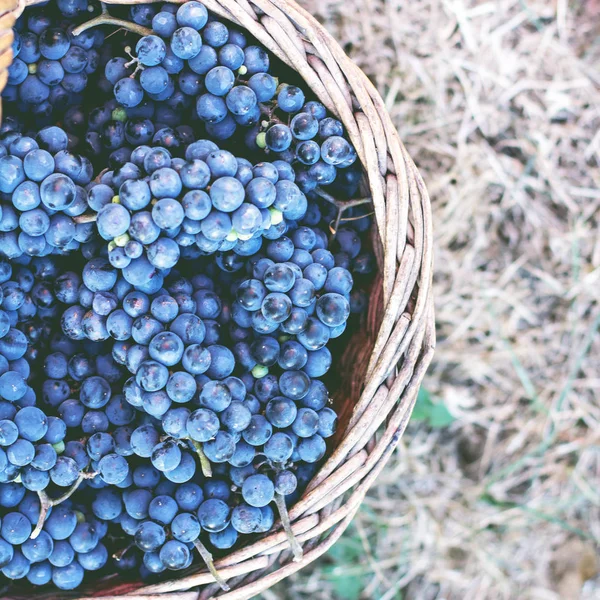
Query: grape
[[17, 568], [113, 220], [213, 515], [164, 24], [224, 539], [166, 456], [258, 432], [319, 361], [258, 490], [285, 482], [69, 577], [15, 528], [151, 50], [202, 425], [185, 527], [281, 411], [20, 453], [39, 574], [142, 14], [312, 449], [189, 496], [221, 448], [129, 92], [62, 554], [137, 502], [279, 447], [216, 34], [184, 471], [39, 549], [192, 14], [276, 307], [113, 468], [152, 376], [186, 43], [256, 60], [278, 138], [236, 417], [94, 559], [107, 505], [306, 423], [174, 555], [163, 509], [149, 536], [246, 519]]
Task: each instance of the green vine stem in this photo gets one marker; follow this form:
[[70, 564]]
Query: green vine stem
[[46, 503], [105, 19], [285, 521], [204, 462], [208, 559]]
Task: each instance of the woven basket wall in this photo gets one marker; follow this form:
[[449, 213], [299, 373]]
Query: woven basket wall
[[383, 365]]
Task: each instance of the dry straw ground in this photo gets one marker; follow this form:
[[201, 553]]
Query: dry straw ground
[[499, 104]]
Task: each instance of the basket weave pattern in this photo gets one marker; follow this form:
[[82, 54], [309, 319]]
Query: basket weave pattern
[[382, 367]]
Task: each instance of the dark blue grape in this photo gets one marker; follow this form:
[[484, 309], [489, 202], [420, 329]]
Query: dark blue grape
[[215, 34], [258, 490], [149, 536], [151, 50], [312, 449], [186, 43], [213, 515]]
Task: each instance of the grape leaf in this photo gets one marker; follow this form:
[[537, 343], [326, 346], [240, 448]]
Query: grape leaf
[[347, 587], [440, 416]]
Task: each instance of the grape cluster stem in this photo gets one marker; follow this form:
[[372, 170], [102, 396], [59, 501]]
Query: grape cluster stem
[[341, 205], [287, 527], [46, 503], [204, 462], [208, 559], [119, 554], [104, 18], [86, 218]]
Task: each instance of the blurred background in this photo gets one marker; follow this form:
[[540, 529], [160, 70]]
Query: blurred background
[[494, 492]]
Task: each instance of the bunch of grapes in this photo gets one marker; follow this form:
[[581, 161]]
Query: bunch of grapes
[[178, 259], [70, 542], [155, 205], [51, 66], [204, 63], [199, 60], [27, 439], [43, 185]]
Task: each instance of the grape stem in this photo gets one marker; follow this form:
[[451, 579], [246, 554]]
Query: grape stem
[[287, 526], [208, 560], [121, 553], [46, 503], [204, 462], [341, 205], [87, 218], [105, 19]]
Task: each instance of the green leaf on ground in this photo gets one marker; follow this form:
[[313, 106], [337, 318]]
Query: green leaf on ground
[[440, 416], [347, 587], [422, 407], [431, 411]]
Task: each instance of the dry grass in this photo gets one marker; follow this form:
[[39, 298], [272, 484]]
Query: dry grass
[[499, 104]]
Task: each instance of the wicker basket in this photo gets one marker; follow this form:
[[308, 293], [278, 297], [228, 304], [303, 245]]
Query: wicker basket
[[383, 365]]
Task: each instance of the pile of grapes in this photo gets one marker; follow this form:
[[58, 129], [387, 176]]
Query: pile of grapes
[[182, 243]]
